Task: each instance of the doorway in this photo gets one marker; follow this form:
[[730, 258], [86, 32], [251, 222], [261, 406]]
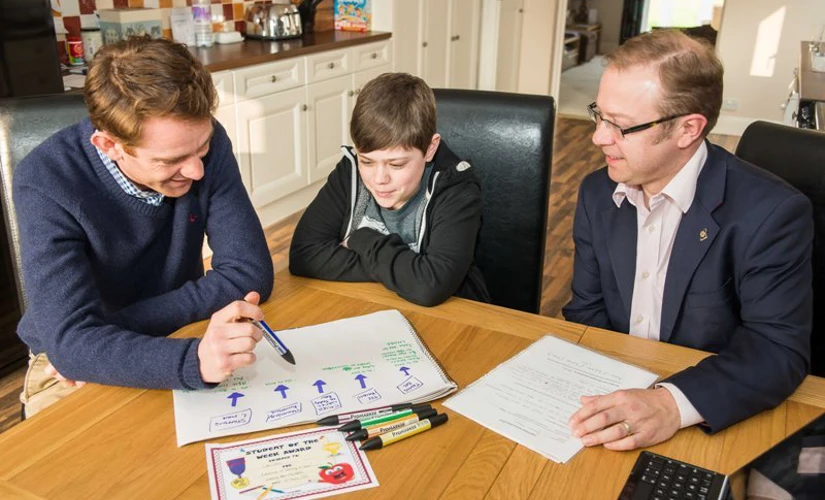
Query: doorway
[[617, 21]]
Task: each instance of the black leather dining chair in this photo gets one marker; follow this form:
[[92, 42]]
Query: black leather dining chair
[[508, 139], [25, 123], [797, 156]]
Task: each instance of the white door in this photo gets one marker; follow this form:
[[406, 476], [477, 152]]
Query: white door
[[465, 21], [327, 124], [406, 35], [435, 44], [509, 44], [272, 145]]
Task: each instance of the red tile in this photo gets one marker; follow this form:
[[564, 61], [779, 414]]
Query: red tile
[[228, 12], [72, 24], [87, 6], [188, 3], [240, 26], [121, 4]]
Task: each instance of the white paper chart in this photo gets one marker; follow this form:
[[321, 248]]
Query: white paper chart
[[343, 366]]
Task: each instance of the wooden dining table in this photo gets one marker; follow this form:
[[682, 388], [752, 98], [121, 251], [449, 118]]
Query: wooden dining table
[[115, 442]]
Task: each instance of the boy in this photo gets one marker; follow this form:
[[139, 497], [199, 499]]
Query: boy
[[400, 207]]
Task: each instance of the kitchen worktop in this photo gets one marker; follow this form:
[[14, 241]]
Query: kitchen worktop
[[251, 51]]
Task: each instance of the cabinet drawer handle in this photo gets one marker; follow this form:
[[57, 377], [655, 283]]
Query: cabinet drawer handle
[[374, 55], [274, 78], [424, 44], [455, 38], [304, 107], [331, 65], [351, 93], [521, 11]]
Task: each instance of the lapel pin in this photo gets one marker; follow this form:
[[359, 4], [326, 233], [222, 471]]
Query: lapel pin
[[703, 234]]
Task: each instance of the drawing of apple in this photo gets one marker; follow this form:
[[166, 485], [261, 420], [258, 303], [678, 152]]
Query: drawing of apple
[[336, 473]]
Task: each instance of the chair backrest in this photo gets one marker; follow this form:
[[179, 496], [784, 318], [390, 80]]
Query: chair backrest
[[797, 156], [508, 139], [24, 124]]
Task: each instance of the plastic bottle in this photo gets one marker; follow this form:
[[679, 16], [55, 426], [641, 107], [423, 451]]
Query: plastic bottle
[[202, 15]]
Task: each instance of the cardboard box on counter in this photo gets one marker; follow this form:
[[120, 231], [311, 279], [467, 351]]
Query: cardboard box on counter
[[119, 24], [353, 15]]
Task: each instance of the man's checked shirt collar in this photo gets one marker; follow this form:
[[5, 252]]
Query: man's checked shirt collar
[[150, 197]]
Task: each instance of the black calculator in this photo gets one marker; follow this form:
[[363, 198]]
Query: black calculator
[[655, 477]]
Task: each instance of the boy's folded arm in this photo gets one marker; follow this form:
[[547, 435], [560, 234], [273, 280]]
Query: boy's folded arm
[[432, 276], [316, 250]]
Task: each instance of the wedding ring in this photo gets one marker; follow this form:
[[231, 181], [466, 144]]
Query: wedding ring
[[627, 427]]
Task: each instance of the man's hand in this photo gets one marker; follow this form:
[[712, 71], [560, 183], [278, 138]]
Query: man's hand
[[626, 420], [52, 372], [230, 339]]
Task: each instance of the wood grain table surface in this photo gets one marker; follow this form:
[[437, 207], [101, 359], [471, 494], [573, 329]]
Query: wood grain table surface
[[113, 442]]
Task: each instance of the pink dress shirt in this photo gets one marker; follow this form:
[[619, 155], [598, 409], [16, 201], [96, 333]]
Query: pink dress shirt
[[657, 223]]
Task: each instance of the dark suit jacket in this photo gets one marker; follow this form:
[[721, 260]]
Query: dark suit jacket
[[738, 283]]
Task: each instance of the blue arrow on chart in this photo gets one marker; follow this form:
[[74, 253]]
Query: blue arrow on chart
[[405, 370], [361, 378], [282, 389], [234, 397], [320, 385]]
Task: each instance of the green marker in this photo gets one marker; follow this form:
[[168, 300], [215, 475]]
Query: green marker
[[357, 424]]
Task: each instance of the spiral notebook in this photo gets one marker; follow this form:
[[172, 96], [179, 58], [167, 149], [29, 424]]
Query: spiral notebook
[[343, 366]]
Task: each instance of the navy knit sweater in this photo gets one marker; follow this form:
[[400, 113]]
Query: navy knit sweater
[[108, 276]]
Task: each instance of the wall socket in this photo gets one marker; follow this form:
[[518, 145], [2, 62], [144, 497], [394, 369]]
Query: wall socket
[[730, 104]]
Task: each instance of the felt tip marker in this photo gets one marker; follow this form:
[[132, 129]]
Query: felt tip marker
[[377, 430], [357, 424], [362, 415], [388, 438], [274, 341]]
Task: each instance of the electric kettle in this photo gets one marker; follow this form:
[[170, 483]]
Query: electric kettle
[[277, 21]]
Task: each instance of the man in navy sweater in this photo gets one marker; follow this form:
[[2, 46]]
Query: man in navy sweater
[[112, 214]]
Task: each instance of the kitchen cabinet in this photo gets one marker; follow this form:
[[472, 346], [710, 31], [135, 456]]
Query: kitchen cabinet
[[437, 40], [288, 119]]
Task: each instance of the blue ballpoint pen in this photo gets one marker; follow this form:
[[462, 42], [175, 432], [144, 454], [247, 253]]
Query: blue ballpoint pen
[[274, 341]]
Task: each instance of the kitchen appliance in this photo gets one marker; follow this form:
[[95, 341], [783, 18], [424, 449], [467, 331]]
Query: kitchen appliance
[[275, 21]]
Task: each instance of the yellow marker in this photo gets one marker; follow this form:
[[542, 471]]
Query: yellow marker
[[387, 438], [377, 430]]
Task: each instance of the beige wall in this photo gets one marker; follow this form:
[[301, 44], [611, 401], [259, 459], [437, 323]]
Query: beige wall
[[759, 96], [610, 16], [537, 46]]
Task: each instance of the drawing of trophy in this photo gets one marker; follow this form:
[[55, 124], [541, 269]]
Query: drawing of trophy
[[237, 466], [332, 447]]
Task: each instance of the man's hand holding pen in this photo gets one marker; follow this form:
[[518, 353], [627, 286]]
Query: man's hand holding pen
[[230, 339]]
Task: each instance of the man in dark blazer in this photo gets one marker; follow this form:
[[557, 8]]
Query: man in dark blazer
[[679, 241]]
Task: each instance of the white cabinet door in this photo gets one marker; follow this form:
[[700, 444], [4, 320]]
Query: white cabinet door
[[272, 145], [226, 117], [360, 79], [435, 42], [406, 35], [463, 50], [327, 124], [509, 44]]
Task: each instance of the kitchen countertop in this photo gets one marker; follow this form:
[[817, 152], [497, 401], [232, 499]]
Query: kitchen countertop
[[220, 57]]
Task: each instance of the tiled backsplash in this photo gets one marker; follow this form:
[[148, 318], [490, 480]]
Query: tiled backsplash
[[72, 15]]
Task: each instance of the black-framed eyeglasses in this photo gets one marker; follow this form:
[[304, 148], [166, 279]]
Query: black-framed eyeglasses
[[596, 117]]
